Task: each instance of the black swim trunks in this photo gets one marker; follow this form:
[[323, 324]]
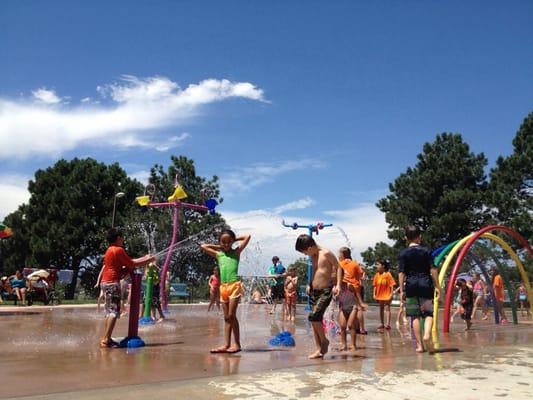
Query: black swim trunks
[[467, 314], [155, 296], [278, 292], [319, 300]]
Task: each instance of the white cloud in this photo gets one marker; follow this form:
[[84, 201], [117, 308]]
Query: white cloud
[[13, 193], [46, 96], [294, 205], [171, 142], [136, 107], [244, 178], [141, 176], [358, 227]]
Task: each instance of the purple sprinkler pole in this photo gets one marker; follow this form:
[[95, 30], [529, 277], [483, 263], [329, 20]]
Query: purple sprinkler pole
[[312, 228]]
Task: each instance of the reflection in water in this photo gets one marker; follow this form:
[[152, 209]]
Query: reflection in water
[[56, 340], [230, 364]]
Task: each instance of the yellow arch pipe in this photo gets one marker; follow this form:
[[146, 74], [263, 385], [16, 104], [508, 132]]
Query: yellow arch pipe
[[442, 275], [519, 264], [451, 255]]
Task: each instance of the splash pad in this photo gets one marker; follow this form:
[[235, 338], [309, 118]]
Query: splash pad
[[458, 252]]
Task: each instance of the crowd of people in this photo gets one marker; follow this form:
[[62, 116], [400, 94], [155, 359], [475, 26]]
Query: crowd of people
[[340, 278], [24, 290], [334, 277]]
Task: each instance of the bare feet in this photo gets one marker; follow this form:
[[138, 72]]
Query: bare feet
[[429, 345], [317, 354], [342, 348], [419, 350], [221, 349], [110, 344], [234, 349], [159, 320]]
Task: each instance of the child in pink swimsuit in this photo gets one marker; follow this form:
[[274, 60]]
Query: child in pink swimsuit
[[214, 289]]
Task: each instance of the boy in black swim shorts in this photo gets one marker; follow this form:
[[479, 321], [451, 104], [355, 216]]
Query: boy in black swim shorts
[[417, 271], [320, 289]]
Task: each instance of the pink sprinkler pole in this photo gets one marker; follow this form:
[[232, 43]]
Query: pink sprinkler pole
[[133, 339], [163, 278]]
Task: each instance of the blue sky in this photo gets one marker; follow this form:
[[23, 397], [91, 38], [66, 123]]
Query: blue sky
[[306, 110]]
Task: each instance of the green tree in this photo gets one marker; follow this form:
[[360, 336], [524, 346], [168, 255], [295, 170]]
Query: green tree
[[15, 250], [381, 251], [301, 270], [510, 194], [69, 211], [443, 193]]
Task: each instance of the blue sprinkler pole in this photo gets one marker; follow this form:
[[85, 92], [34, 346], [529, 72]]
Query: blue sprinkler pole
[[311, 228]]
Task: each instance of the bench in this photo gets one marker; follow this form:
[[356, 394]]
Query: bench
[[179, 290], [10, 297], [13, 297]]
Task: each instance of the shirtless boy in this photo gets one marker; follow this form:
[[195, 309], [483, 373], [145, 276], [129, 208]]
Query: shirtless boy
[[321, 289]]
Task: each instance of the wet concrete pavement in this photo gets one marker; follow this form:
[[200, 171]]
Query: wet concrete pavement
[[49, 351]]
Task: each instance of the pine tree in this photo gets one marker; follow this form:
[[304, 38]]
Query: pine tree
[[510, 194]]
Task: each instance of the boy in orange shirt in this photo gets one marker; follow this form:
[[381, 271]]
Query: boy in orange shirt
[[117, 264], [383, 289], [497, 283]]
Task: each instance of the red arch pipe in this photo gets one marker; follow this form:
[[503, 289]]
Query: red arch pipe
[[462, 254]]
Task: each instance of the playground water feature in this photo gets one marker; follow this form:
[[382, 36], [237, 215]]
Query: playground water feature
[[48, 350]]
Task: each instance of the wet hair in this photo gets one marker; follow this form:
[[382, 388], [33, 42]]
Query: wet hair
[[113, 234], [461, 281], [385, 263], [346, 252], [228, 232], [304, 242], [412, 232], [275, 259]]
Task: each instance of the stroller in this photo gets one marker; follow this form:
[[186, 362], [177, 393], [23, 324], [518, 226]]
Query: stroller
[[42, 288]]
